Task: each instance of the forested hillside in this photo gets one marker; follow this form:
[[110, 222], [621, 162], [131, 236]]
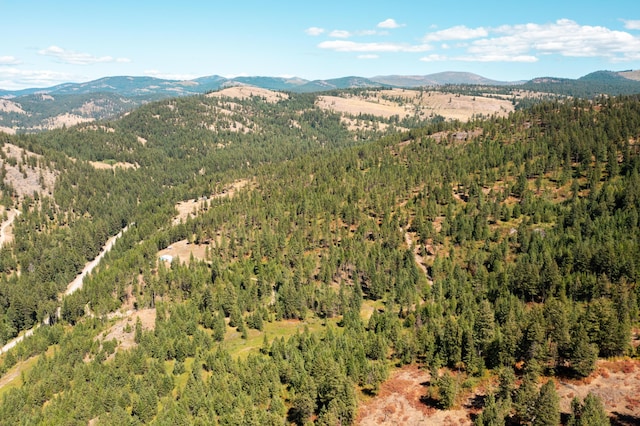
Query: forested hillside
[[499, 251]]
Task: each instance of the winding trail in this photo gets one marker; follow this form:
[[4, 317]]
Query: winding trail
[[11, 216], [76, 284], [73, 286]]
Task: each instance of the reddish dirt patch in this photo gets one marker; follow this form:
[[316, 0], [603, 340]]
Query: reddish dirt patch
[[399, 403], [617, 383]]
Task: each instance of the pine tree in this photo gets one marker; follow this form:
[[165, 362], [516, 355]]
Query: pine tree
[[583, 354], [547, 406], [589, 413]]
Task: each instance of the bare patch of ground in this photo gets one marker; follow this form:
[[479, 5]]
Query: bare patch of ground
[[400, 402], [123, 331], [6, 229], [460, 136], [355, 105], [107, 166], [191, 208], [63, 120], [24, 173], [409, 239], [96, 128], [617, 383], [89, 108], [415, 103], [631, 75], [246, 92], [8, 106], [7, 130], [184, 251]]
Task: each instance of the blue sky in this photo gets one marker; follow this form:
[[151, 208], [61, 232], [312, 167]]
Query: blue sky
[[43, 43]]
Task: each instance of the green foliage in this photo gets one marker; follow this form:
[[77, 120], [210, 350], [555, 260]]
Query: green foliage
[[547, 407], [588, 413], [528, 237]]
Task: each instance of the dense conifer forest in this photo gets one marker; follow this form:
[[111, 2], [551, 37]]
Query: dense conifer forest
[[511, 253]]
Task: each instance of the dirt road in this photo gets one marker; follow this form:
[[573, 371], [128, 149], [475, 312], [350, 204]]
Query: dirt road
[[4, 234], [73, 286]]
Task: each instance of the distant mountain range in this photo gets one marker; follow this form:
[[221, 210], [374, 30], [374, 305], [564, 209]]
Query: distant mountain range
[[154, 88], [150, 87], [36, 109]]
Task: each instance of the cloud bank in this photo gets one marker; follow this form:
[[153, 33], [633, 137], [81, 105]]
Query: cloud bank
[[78, 58]]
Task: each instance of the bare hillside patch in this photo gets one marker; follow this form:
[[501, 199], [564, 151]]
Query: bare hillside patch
[[24, 172], [415, 103], [191, 208], [631, 75], [99, 165], [123, 331], [63, 120], [6, 229], [400, 400], [184, 251], [247, 92], [8, 106], [617, 383]]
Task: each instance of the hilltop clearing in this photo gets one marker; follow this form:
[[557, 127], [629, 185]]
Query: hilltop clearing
[[244, 92], [405, 103]]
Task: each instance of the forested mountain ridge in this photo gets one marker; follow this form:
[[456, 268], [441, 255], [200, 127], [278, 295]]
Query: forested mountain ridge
[[503, 245], [37, 109]]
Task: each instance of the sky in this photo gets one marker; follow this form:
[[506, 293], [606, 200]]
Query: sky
[[44, 43]]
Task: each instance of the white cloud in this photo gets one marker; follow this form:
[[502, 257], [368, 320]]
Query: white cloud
[[340, 34], [389, 24], [563, 37], [631, 24], [459, 32], [352, 46], [434, 58], [368, 56], [497, 58], [9, 60], [230, 76], [15, 79], [528, 42], [169, 76], [314, 31], [78, 58], [525, 43]]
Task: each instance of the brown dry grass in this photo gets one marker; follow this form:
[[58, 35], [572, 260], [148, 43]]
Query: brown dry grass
[[409, 103], [183, 250], [9, 106], [99, 165], [245, 92], [63, 120], [617, 383], [399, 401], [631, 75]]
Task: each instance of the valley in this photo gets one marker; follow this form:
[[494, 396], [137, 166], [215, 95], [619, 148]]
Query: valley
[[364, 255]]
